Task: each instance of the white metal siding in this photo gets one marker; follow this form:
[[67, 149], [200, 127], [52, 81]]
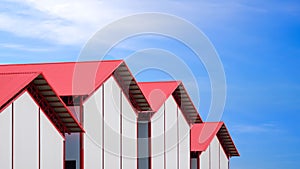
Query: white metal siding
[[52, 148], [157, 139], [129, 135], [25, 133], [111, 124], [214, 150], [171, 133], [204, 159], [6, 138], [223, 159], [184, 141], [214, 156], [93, 131]]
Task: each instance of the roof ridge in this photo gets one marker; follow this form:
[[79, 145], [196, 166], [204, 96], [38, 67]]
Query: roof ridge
[[10, 73], [71, 62]]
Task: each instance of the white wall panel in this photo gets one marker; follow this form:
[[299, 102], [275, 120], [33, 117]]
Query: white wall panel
[[157, 139], [223, 159], [204, 159], [184, 141], [25, 133], [171, 133], [214, 150], [93, 130], [129, 135], [52, 149], [6, 138], [111, 124]]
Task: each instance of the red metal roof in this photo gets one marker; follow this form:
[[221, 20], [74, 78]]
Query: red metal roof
[[202, 135], [70, 78], [11, 84], [83, 78], [157, 93]]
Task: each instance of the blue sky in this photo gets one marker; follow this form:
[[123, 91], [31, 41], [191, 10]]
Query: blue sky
[[258, 43]]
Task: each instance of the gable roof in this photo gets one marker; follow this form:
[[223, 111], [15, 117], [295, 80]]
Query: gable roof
[[11, 84], [157, 93], [83, 78], [63, 76], [202, 135], [14, 84]]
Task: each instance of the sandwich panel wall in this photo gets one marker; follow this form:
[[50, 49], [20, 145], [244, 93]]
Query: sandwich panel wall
[[157, 139], [111, 124], [51, 144], [26, 133], [184, 141], [6, 138], [223, 159], [171, 133], [204, 159], [214, 150], [93, 112], [129, 135]]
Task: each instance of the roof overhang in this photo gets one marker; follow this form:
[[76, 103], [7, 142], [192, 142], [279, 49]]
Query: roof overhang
[[186, 105], [202, 135], [131, 89], [45, 97], [157, 93]]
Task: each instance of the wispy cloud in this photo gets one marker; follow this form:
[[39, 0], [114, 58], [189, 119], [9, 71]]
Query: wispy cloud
[[73, 22], [22, 47], [255, 128], [62, 22]]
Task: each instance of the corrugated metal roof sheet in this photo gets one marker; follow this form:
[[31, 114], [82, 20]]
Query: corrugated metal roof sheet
[[202, 135], [70, 78]]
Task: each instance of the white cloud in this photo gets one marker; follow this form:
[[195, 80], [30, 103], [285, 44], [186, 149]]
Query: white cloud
[[73, 22], [65, 22], [258, 128], [22, 47]]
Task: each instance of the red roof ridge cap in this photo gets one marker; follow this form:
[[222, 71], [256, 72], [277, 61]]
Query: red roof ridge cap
[[70, 62], [11, 73]]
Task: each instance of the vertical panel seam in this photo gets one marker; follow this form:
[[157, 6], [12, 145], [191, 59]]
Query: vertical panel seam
[[149, 144], [177, 137], [12, 135], [219, 156], [39, 128], [165, 165], [121, 130], [103, 127], [209, 157]]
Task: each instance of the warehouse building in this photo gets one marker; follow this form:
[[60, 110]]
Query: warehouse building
[[123, 123], [33, 123]]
